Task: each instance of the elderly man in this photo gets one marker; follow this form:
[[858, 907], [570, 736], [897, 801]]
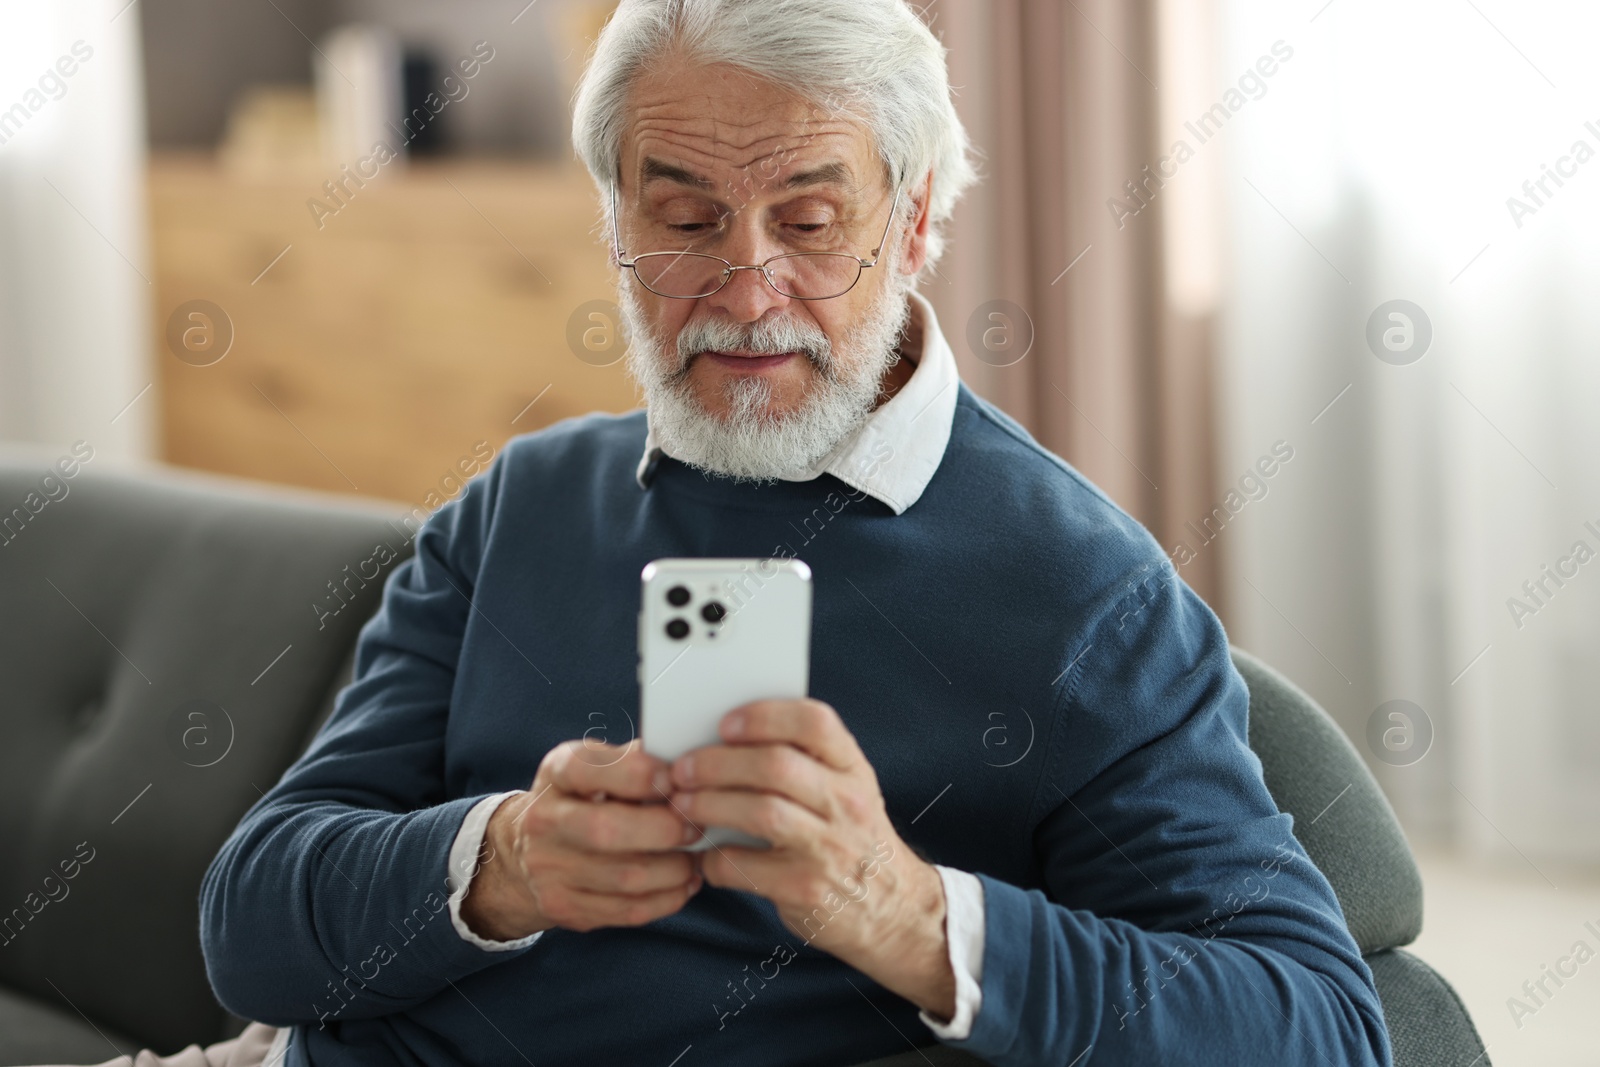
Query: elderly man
[[452, 874]]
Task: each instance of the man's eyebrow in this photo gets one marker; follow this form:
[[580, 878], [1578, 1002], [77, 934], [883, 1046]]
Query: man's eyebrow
[[653, 169], [827, 174]]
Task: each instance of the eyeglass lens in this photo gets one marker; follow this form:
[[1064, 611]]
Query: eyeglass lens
[[807, 275]]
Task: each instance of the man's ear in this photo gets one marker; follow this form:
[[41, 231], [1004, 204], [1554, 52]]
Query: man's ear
[[914, 250]]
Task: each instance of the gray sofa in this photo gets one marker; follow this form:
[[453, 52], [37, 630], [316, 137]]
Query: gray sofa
[[163, 659], [172, 641]]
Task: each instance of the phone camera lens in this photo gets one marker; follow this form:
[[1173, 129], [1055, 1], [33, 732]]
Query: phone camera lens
[[677, 629], [713, 612], [678, 596]]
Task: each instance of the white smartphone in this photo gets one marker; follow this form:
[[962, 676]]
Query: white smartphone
[[715, 634]]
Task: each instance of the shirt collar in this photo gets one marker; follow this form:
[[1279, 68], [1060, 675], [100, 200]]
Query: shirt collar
[[893, 454]]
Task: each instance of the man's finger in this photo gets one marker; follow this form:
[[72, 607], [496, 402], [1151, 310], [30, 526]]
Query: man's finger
[[777, 768], [767, 815], [617, 825], [807, 724], [635, 873], [583, 768], [593, 910]]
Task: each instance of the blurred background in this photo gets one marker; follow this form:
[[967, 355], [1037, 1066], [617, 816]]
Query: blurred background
[[1353, 243]]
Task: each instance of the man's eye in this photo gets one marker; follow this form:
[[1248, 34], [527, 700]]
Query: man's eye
[[810, 228], [692, 227]]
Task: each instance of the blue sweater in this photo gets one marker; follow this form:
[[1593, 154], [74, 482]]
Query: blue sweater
[[1013, 636]]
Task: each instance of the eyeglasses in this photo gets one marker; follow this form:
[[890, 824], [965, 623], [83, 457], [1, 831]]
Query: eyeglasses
[[798, 275]]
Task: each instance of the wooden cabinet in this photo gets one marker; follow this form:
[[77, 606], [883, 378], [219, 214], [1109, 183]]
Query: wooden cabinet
[[385, 340]]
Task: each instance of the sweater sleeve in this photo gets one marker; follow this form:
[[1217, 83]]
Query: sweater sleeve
[[330, 900], [1181, 921]]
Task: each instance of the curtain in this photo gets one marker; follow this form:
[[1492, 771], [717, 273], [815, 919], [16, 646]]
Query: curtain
[[74, 280], [1434, 542], [1069, 312]]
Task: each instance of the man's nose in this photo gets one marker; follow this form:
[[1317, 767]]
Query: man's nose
[[747, 296]]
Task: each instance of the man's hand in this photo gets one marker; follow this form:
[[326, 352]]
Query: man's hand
[[841, 877], [585, 846]]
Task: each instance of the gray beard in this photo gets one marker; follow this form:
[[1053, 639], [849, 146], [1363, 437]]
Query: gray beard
[[749, 443]]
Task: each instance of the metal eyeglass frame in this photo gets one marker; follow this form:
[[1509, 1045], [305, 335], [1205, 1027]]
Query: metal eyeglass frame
[[764, 268]]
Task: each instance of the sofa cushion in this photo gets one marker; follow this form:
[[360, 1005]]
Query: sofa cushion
[[1428, 1025], [31, 1032], [167, 641]]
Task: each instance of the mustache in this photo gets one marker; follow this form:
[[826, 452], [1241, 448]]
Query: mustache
[[768, 338]]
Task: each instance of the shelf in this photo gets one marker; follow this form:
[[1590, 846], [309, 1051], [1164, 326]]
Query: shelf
[[386, 342]]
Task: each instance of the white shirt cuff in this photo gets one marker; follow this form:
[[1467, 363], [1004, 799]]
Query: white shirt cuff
[[464, 864], [964, 930]]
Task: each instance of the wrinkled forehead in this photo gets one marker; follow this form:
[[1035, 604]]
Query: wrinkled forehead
[[721, 130]]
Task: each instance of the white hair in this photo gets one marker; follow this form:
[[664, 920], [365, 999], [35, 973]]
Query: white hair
[[872, 60]]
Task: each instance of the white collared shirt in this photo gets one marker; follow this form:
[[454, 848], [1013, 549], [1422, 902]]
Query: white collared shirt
[[914, 426]]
